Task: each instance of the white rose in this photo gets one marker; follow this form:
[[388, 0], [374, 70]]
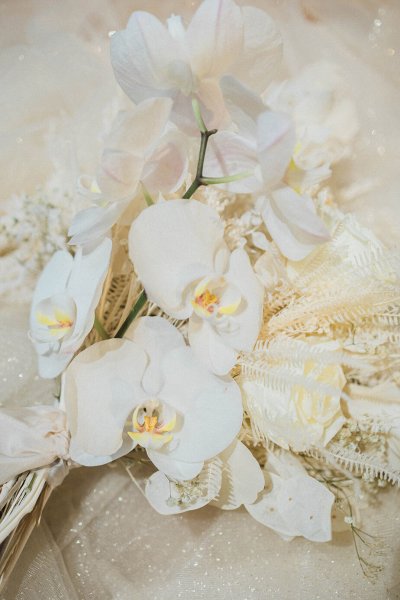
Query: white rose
[[306, 412]]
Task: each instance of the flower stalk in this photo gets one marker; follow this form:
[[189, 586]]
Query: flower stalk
[[137, 307], [100, 329], [200, 179]]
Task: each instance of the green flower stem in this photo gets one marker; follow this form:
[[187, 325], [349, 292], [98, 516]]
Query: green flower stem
[[137, 307], [100, 329], [227, 179], [198, 116], [147, 196], [198, 180]]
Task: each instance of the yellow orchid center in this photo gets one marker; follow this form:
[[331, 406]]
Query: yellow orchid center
[[207, 301], [149, 429], [59, 322], [215, 298], [150, 423], [54, 318]]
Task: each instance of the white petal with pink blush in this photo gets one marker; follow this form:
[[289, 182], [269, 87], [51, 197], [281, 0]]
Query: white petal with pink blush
[[154, 60], [142, 147]]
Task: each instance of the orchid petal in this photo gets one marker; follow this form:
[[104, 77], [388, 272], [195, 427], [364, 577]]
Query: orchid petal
[[293, 224], [248, 318], [213, 37], [85, 286], [157, 337], [244, 106], [134, 136], [168, 497], [211, 408], [262, 50], [140, 128], [81, 281], [119, 174], [142, 55], [209, 346], [175, 469], [53, 280], [101, 388], [229, 154], [50, 365], [166, 169], [276, 141], [171, 244], [212, 104], [93, 223], [160, 491]]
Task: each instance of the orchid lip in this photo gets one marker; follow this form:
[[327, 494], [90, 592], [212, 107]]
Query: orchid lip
[[215, 298], [54, 318], [151, 429]]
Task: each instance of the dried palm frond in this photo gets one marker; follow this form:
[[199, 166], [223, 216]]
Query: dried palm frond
[[22, 503], [346, 293]]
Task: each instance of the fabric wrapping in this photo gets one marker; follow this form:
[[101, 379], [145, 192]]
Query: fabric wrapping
[[31, 437]]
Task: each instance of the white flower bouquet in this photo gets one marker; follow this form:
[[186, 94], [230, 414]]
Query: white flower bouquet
[[217, 323]]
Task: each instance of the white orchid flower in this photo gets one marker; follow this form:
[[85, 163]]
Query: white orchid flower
[[151, 60], [264, 145], [181, 258], [64, 303], [229, 480], [139, 149], [150, 390], [294, 504]]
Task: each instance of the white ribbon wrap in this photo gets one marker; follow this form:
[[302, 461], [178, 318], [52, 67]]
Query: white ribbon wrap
[[30, 438]]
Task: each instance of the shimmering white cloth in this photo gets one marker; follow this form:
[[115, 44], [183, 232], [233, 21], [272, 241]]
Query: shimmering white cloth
[[31, 437]]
